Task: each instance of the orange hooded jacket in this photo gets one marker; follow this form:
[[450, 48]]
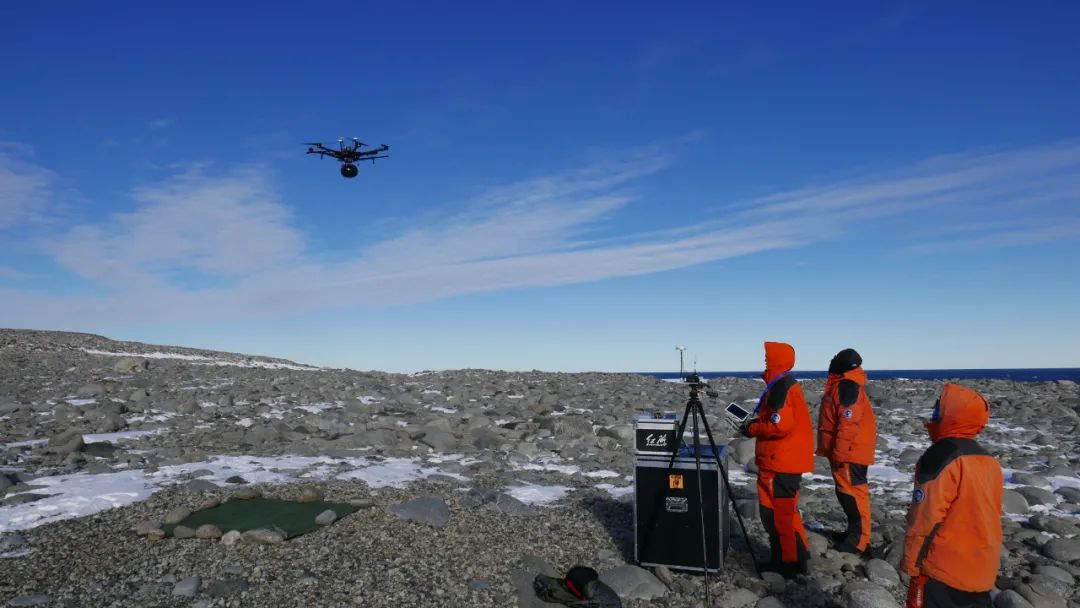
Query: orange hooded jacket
[[954, 522], [785, 437], [847, 427]]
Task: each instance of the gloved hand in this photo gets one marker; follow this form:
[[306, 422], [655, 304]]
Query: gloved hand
[[744, 428], [916, 591]]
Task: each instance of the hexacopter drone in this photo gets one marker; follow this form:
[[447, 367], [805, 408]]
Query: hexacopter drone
[[348, 154]]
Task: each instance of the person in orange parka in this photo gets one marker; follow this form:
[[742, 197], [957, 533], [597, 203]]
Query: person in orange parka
[[784, 451], [953, 545], [847, 436]]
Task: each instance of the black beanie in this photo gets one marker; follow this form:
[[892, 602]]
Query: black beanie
[[844, 360]]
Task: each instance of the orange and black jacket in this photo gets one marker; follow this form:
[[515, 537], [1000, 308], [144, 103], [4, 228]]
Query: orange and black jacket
[[847, 427], [785, 437], [954, 522]]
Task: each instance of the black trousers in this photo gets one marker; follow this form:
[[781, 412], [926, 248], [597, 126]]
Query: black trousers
[[937, 594]]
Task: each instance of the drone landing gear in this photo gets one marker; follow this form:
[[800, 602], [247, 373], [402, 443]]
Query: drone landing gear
[[349, 170]]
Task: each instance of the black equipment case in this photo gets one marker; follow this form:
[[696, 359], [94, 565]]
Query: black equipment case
[[667, 511]]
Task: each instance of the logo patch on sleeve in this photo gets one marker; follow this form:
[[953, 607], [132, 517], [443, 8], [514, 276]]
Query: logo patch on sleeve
[[775, 418], [917, 496], [848, 413]]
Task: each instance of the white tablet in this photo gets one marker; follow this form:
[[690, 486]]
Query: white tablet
[[737, 412]]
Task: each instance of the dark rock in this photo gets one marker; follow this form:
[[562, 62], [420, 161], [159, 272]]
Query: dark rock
[[226, 588], [770, 602], [1062, 549], [1011, 599], [187, 587], [430, 510], [66, 443], [882, 572], [862, 594], [1041, 595], [182, 532], [177, 515], [202, 485], [1037, 496], [737, 598]]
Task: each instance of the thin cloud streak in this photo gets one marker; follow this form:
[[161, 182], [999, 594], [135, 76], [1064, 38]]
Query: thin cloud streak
[[25, 188], [233, 232]]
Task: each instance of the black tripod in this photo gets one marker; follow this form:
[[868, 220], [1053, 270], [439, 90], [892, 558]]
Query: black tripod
[[693, 411]]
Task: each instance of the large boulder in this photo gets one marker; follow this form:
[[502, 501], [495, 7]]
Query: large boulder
[[129, 365], [440, 441], [430, 510], [742, 450], [1038, 496], [1011, 599], [632, 582], [91, 390], [737, 598], [66, 443], [862, 594], [1013, 502], [882, 572], [263, 536], [1041, 595], [1062, 549]]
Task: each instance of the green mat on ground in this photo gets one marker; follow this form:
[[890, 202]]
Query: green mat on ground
[[294, 518]]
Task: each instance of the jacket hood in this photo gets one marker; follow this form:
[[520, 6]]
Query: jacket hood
[[959, 412], [857, 375], [779, 358], [847, 359]]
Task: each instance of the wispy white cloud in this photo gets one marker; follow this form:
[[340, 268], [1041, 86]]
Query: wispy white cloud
[[230, 226], [25, 188], [234, 230], [162, 123], [1004, 234]]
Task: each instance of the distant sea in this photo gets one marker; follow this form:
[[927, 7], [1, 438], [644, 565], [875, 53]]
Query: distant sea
[[1020, 375]]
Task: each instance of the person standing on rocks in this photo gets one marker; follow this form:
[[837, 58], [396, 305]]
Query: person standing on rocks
[[847, 435], [953, 545], [784, 451]]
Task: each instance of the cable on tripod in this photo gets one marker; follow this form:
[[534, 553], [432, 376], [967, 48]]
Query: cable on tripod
[[701, 512]]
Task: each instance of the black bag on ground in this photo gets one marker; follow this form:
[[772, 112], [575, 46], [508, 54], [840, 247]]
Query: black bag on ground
[[580, 588]]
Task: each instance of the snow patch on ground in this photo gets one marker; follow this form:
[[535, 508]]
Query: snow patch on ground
[[615, 491], [316, 408], [82, 494], [153, 416], [121, 435], [534, 494], [202, 360], [547, 463], [601, 474]]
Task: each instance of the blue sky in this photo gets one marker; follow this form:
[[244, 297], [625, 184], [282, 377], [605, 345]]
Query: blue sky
[[572, 186]]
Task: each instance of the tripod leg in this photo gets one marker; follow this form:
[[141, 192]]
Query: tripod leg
[[701, 506], [731, 497], [679, 434]]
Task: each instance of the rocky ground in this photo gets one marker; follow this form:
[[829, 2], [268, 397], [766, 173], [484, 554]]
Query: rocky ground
[[468, 482]]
